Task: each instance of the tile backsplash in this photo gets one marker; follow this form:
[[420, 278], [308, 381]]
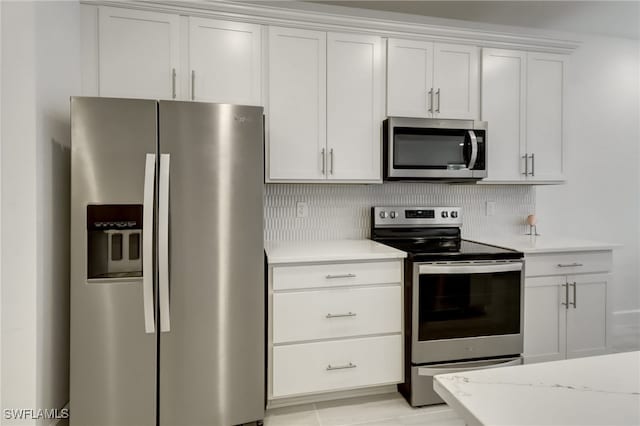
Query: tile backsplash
[[343, 211]]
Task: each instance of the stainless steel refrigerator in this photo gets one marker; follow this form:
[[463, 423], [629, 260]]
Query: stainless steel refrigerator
[[167, 266]]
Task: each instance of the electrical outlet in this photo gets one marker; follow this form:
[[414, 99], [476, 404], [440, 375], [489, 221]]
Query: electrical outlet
[[491, 208], [302, 209]]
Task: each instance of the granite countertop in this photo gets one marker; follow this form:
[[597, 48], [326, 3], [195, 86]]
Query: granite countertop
[[600, 390], [543, 243], [327, 251]]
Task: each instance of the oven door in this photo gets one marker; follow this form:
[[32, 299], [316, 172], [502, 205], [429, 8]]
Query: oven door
[[464, 310]]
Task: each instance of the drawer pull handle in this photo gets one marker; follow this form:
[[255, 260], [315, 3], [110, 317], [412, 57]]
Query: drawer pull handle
[[349, 314], [330, 277], [340, 367], [569, 265]]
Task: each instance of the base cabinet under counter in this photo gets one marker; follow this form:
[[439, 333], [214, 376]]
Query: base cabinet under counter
[[328, 334], [567, 305]]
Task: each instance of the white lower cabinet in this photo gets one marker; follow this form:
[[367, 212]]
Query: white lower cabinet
[[334, 327], [336, 365], [566, 315]]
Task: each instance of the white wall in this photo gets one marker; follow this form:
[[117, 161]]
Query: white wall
[[19, 207], [601, 198], [40, 72]]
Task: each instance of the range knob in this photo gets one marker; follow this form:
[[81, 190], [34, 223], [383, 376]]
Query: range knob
[[392, 215], [454, 214], [383, 214], [444, 214]]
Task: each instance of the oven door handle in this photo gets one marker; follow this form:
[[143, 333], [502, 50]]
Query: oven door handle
[[465, 366], [469, 269]]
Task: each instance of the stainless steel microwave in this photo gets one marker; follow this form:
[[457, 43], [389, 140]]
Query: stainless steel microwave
[[433, 149]]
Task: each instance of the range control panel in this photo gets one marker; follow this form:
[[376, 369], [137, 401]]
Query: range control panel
[[416, 216]]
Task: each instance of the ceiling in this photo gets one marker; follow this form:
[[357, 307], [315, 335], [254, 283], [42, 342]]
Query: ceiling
[[609, 18]]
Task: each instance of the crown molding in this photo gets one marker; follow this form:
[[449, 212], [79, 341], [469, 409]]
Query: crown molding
[[308, 17]]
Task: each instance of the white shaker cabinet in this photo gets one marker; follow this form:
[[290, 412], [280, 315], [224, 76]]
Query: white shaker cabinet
[[566, 305], [545, 97], [435, 80], [523, 102], [138, 53], [224, 61], [324, 112], [296, 114], [354, 106]]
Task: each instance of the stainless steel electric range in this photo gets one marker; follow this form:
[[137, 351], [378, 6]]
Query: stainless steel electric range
[[463, 300]]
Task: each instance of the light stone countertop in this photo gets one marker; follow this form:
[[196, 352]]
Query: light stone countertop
[[600, 390], [328, 251], [543, 244]]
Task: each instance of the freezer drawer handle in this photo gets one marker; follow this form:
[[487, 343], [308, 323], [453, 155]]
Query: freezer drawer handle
[[147, 244], [349, 314], [331, 277], [340, 367], [163, 243], [569, 265]]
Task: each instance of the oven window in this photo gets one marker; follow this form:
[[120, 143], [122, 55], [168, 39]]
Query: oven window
[[430, 148], [468, 305]]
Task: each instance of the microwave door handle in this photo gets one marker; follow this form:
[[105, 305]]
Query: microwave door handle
[[474, 149]]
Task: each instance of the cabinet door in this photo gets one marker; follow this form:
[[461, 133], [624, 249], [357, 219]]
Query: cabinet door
[[354, 106], [297, 105], [545, 87], [456, 81], [544, 319], [138, 53], [587, 315], [503, 107], [224, 60], [409, 78]]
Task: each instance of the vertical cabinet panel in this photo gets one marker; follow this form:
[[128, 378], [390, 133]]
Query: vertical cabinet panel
[[545, 77], [456, 81], [544, 319], [297, 104], [503, 107], [354, 118], [587, 320], [409, 77], [224, 60], [137, 52]]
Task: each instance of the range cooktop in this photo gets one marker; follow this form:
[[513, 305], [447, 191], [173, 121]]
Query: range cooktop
[[430, 234]]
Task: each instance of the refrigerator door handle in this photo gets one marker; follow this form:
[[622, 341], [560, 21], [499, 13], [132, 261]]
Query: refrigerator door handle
[[147, 244], [163, 242]]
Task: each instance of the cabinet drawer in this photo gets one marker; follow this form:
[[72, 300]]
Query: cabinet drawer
[[568, 263], [335, 275], [339, 312], [336, 365]]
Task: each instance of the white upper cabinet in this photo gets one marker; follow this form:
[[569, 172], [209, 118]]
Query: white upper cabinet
[[456, 81], [523, 102], [297, 105], [325, 106], [224, 61], [503, 108], [409, 78], [436, 80], [138, 53], [545, 88], [354, 106]]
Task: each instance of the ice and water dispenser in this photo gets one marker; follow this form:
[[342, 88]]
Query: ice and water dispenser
[[114, 241]]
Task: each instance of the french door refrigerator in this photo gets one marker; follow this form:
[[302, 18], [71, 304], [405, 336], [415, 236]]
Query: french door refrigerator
[[167, 266]]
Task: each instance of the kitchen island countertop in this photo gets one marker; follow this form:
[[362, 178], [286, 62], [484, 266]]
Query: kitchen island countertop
[[600, 390]]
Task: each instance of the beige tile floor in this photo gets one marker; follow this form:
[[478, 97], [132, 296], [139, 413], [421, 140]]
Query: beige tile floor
[[377, 410]]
